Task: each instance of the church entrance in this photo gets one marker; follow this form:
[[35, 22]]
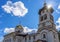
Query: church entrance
[[41, 41], [44, 41]]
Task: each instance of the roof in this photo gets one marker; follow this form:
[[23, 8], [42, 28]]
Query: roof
[[18, 34], [45, 8], [12, 33]]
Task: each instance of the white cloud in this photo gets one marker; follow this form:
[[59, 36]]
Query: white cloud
[[57, 11], [25, 30], [17, 8], [58, 21], [1, 38], [59, 6], [9, 30]]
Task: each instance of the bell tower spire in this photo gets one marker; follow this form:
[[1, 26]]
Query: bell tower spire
[[44, 2]]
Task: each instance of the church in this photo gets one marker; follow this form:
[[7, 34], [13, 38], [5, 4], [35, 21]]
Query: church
[[46, 29]]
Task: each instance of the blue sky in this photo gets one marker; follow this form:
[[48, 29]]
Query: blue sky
[[29, 13]]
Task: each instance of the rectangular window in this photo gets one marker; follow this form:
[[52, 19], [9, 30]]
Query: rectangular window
[[45, 17], [8, 40], [29, 37], [51, 17], [19, 40], [25, 39], [41, 18]]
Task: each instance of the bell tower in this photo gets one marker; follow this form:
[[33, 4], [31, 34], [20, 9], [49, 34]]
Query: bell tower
[[46, 27], [45, 17]]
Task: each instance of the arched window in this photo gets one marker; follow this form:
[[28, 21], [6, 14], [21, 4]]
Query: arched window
[[44, 36], [45, 17], [34, 36]]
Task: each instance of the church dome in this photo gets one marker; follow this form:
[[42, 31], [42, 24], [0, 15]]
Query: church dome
[[19, 26]]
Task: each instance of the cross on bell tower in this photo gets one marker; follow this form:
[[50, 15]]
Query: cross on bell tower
[[44, 2], [45, 17]]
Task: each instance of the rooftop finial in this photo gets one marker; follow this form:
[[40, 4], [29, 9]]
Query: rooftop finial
[[19, 22], [44, 2]]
